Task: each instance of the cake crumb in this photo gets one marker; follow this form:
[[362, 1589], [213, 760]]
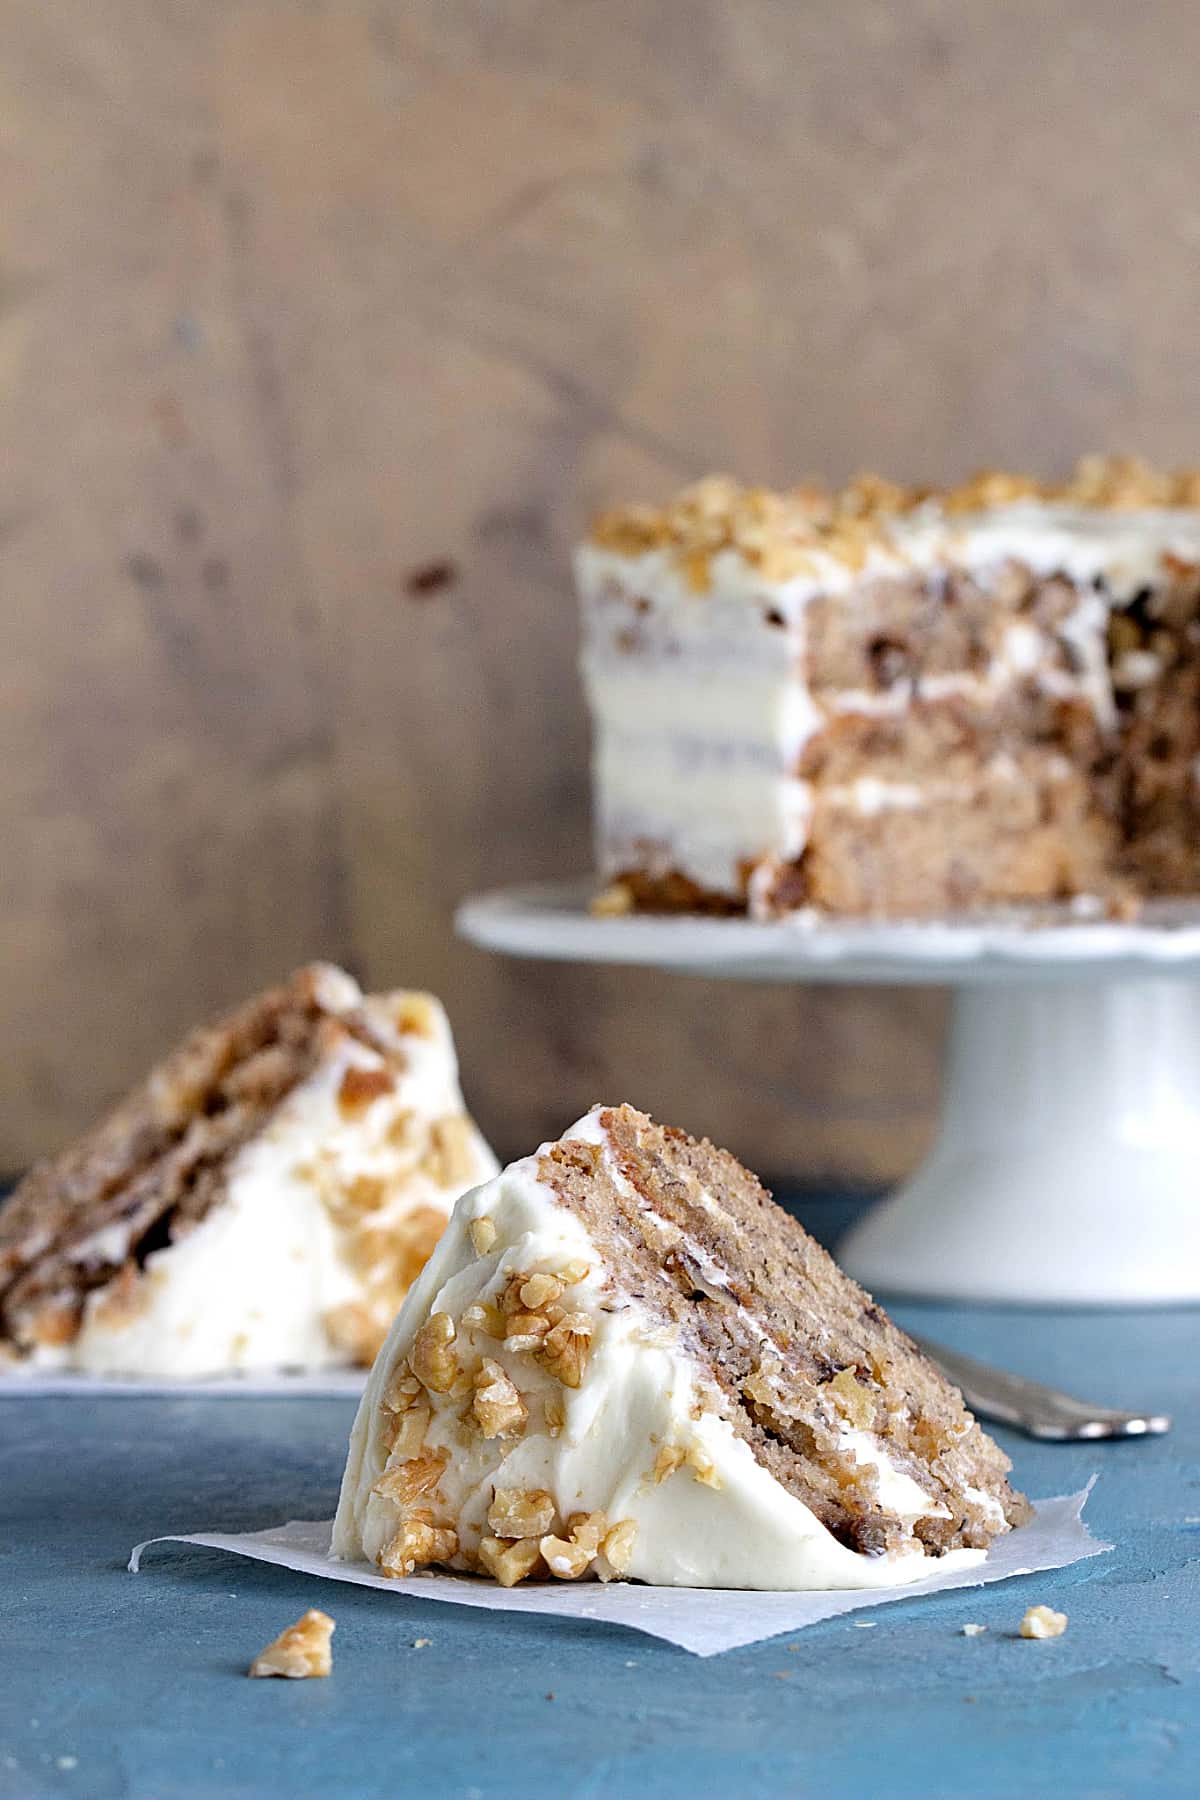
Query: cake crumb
[[300, 1651], [973, 1630], [422, 1643], [1043, 1622]]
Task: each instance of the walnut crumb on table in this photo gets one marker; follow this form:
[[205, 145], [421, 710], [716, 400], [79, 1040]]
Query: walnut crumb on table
[[302, 1650], [973, 1630], [1043, 1622]]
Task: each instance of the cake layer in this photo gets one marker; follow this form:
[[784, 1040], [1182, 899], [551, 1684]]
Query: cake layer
[[263, 1200], [623, 1359], [736, 643]]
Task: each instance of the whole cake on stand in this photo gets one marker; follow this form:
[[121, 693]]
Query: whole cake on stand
[[887, 734]]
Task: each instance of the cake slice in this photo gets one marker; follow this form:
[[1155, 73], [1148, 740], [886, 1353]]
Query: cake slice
[[623, 1359], [262, 1201]]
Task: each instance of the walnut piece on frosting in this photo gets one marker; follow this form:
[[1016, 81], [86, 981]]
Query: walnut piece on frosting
[[497, 1406], [417, 1543], [566, 1347], [521, 1513], [303, 1650], [433, 1361]]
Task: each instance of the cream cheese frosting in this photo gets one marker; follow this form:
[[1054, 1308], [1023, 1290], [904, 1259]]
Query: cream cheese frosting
[[637, 1442], [299, 1250]]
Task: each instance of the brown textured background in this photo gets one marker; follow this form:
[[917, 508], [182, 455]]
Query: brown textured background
[[298, 298]]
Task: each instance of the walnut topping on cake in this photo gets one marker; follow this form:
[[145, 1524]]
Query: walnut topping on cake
[[360, 1086], [406, 1481], [521, 1513], [433, 1360], [483, 1234], [417, 1543], [450, 1160], [565, 1350], [302, 1651], [498, 1407], [508, 1562], [778, 532]]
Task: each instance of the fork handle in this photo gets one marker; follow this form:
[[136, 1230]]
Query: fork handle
[[1040, 1412]]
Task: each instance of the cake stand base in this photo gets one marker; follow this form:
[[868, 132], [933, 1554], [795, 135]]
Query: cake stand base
[[1067, 1168]]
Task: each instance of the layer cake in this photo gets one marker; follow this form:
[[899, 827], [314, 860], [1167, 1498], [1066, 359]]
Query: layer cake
[[893, 701]]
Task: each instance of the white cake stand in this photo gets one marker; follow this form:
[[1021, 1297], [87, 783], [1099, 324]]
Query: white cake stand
[[1067, 1167]]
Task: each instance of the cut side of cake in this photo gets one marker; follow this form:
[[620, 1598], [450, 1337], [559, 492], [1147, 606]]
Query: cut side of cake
[[894, 701], [264, 1200], [623, 1359]]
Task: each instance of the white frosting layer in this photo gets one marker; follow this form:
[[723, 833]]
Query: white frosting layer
[[698, 732], [251, 1286], [641, 1394]]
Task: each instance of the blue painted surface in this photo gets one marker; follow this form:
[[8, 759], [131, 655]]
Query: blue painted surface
[[141, 1679]]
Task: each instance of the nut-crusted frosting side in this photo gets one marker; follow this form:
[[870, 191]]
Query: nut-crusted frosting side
[[532, 1417], [290, 1241]]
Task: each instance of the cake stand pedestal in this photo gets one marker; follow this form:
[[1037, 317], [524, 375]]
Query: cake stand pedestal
[[1067, 1165]]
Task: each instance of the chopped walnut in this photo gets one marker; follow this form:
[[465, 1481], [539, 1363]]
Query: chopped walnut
[[433, 1360], [854, 1401], [480, 1316], [450, 1159], [509, 1563], [567, 1561], [554, 1411], [540, 1291], [703, 1468], [776, 533], [417, 1543], [403, 1434], [670, 1458], [497, 1406], [303, 1650], [565, 1350], [525, 1331], [407, 1481], [416, 1015], [587, 1530], [402, 1131], [1043, 1622], [364, 1194], [483, 1234], [403, 1389], [521, 1512], [509, 1299], [360, 1086], [616, 1552]]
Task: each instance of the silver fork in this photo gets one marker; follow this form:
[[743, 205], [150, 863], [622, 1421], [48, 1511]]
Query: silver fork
[[1040, 1412]]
